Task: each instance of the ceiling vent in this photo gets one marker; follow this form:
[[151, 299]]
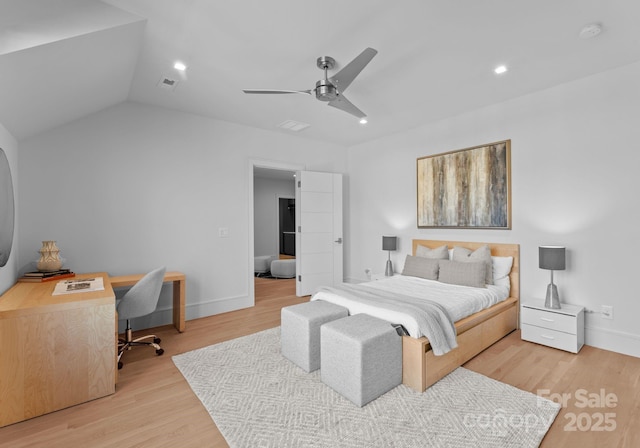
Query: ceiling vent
[[167, 83], [591, 30], [293, 126]]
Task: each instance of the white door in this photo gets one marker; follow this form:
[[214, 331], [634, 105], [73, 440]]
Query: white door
[[318, 231]]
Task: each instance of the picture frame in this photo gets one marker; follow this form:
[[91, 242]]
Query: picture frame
[[466, 189]]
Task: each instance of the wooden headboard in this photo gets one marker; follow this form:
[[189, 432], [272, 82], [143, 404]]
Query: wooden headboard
[[497, 250]]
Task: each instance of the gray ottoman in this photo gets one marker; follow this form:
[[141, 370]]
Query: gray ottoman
[[361, 357], [262, 264], [300, 331], [283, 268]]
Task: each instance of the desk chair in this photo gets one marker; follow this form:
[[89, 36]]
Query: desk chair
[[140, 300]]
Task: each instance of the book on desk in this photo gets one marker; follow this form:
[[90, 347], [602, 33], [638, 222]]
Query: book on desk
[[44, 276]]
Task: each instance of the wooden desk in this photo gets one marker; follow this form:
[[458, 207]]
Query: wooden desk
[[55, 351], [179, 292]]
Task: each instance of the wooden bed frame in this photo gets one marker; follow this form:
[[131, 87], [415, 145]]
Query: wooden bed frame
[[421, 368]]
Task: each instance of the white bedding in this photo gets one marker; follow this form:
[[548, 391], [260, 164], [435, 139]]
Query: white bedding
[[459, 301]]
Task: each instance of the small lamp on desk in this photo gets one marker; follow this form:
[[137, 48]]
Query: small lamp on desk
[[389, 243], [552, 258]]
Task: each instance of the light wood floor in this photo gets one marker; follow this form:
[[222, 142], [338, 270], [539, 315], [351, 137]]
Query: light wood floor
[[154, 407]]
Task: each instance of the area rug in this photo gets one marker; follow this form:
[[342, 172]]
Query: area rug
[[259, 399]]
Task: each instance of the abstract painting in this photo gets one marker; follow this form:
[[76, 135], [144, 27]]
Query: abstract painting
[[467, 188]]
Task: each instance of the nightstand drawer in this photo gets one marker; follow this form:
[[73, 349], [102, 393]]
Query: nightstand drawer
[[551, 338], [550, 320]]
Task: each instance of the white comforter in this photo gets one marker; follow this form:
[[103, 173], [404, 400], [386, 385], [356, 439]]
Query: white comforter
[[459, 301]]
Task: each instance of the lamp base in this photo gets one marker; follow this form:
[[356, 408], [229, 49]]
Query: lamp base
[[552, 301], [388, 272]]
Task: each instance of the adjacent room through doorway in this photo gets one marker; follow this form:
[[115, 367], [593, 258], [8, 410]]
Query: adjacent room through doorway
[[273, 230]]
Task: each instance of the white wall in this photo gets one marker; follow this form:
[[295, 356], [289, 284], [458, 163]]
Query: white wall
[[9, 272], [134, 187], [265, 217], [575, 158]]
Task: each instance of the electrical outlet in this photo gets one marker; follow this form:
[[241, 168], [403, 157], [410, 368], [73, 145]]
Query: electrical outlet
[[607, 311], [223, 232]]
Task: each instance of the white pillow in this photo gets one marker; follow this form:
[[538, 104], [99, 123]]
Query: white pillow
[[501, 269]]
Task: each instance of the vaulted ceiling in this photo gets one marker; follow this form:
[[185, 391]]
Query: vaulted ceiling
[[63, 59]]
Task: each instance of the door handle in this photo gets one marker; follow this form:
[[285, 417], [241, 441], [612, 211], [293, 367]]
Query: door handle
[[339, 241]]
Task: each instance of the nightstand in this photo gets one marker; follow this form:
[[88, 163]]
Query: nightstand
[[562, 329]]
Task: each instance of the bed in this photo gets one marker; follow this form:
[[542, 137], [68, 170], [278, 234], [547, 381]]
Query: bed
[[422, 364]]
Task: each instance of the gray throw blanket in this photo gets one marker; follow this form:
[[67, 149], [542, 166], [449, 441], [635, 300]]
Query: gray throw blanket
[[432, 318]]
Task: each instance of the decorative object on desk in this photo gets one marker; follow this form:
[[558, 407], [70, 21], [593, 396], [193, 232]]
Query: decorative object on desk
[[7, 209], [467, 188], [49, 257], [552, 258], [389, 243]]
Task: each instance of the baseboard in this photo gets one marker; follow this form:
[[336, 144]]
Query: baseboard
[[612, 340], [356, 280], [164, 315]]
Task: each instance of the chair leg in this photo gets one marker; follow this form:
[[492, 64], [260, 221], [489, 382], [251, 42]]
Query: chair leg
[[128, 343]]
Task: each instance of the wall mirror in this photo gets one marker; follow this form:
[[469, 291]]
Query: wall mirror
[[7, 209]]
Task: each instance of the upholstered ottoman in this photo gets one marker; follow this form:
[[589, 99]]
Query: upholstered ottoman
[[300, 331], [283, 268], [361, 357], [262, 264]]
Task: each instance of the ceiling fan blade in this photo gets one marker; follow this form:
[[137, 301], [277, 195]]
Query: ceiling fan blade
[[344, 77], [345, 105], [269, 92]]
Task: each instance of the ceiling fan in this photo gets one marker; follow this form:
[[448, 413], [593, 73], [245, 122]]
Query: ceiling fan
[[331, 89]]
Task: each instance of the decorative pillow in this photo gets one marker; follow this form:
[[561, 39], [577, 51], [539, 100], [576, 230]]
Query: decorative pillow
[[465, 273], [439, 253], [421, 267], [481, 254], [501, 270]]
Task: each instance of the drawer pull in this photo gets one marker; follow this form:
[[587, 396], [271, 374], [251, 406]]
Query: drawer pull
[[546, 319], [547, 337]]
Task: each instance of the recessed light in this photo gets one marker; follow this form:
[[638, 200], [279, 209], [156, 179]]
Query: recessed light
[[500, 69], [179, 66], [363, 121]]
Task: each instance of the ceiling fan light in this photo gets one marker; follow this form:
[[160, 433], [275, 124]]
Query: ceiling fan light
[[500, 69]]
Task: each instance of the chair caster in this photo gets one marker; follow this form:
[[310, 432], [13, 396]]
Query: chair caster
[[120, 365], [159, 352], [157, 340]]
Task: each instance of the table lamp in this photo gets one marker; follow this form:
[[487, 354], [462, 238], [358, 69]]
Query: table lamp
[[552, 258], [389, 244]]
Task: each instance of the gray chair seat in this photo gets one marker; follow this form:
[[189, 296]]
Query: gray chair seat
[[140, 300]]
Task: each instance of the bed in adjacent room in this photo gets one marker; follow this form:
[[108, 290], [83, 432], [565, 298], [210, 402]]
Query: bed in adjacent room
[[453, 302]]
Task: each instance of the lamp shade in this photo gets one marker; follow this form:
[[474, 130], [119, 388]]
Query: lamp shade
[[551, 257], [389, 242]]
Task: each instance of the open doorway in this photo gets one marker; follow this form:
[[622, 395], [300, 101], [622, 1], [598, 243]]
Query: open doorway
[[273, 222]]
